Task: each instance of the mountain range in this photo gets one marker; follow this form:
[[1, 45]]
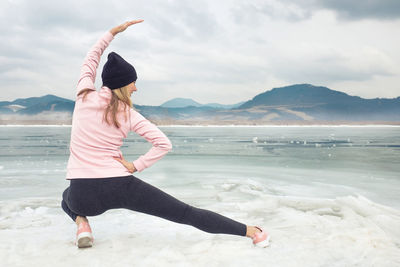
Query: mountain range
[[294, 104]]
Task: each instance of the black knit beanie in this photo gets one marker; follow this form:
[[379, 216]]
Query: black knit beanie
[[117, 72]]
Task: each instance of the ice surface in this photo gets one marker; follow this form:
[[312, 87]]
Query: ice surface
[[328, 196], [345, 231]]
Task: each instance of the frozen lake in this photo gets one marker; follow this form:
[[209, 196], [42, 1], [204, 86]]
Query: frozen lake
[[329, 196]]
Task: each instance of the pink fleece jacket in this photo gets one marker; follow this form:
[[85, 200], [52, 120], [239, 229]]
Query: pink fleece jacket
[[94, 143]]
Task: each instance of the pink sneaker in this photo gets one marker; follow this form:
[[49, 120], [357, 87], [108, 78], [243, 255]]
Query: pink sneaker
[[84, 237], [261, 239]]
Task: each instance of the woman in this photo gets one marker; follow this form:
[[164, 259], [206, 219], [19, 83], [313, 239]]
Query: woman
[[100, 177]]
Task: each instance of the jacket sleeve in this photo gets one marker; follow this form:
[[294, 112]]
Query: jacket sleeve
[[161, 144], [91, 62]]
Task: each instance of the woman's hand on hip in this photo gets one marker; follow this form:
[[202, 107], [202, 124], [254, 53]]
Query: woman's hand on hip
[[129, 165], [122, 27]]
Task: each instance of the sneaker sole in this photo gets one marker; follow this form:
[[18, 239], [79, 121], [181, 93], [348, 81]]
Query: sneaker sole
[[84, 240], [264, 243]]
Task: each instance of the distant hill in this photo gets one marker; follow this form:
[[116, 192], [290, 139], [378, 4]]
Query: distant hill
[[300, 94], [322, 103], [294, 104], [216, 105], [36, 105], [186, 102], [180, 103]]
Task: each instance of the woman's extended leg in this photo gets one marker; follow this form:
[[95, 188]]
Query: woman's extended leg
[[143, 197]]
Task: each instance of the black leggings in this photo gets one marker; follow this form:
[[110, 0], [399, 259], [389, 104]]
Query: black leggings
[[94, 196]]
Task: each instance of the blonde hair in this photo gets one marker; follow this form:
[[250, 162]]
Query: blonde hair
[[112, 109]]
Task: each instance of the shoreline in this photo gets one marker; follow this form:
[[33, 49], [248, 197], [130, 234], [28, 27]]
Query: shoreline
[[213, 123], [216, 123], [255, 126]]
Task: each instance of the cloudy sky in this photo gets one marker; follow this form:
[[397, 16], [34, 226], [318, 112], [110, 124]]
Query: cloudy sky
[[223, 51]]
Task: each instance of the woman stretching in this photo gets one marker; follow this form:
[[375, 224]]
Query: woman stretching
[[100, 178]]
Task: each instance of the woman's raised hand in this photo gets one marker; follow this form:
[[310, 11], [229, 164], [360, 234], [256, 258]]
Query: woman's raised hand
[[122, 27]]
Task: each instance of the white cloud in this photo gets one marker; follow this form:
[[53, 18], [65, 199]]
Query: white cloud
[[213, 51]]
